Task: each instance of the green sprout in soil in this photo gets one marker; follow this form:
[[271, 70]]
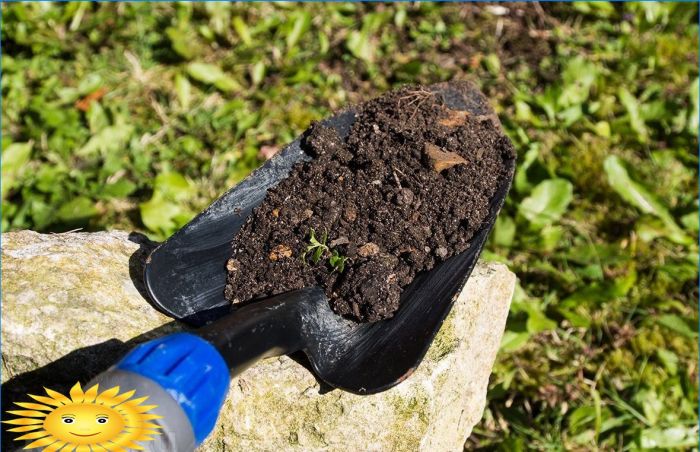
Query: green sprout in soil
[[317, 248], [337, 261]]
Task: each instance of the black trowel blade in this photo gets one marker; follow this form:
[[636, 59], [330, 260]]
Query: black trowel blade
[[186, 276]]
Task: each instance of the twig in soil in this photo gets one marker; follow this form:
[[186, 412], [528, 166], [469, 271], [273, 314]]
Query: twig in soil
[[396, 178], [420, 92], [419, 95], [416, 94]]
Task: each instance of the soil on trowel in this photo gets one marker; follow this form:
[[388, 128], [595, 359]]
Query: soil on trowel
[[408, 188]]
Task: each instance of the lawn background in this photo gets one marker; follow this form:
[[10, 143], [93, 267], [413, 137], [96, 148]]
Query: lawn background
[[136, 116]]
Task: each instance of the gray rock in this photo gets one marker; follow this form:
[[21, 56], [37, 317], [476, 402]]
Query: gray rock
[[70, 308]]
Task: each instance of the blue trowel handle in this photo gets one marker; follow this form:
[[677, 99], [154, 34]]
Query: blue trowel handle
[[185, 376]]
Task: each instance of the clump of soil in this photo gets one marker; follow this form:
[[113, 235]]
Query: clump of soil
[[407, 188]]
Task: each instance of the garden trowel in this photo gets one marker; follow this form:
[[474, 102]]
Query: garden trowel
[[185, 277]]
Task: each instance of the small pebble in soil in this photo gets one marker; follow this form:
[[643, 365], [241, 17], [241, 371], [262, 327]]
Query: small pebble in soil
[[404, 197], [368, 249], [280, 252]]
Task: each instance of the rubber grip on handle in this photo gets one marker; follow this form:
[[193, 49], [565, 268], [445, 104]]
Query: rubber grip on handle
[[175, 432], [190, 370]]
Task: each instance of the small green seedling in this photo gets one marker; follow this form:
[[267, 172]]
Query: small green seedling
[[317, 248], [337, 261]]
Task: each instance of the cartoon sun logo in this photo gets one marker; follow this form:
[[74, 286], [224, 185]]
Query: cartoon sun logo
[[86, 421]]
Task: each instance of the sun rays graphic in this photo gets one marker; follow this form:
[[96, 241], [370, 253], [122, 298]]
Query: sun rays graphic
[[88, 421]]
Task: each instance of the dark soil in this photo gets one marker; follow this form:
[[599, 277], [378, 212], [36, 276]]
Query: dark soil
[[408, 188]]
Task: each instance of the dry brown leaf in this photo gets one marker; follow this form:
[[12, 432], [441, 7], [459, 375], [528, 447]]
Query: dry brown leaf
[[441, 160], [454, 118], [84, 103]]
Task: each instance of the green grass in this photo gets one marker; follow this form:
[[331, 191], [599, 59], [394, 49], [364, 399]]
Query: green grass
[[601, 226]]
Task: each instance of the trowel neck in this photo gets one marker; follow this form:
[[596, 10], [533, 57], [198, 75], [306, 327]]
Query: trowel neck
[[261, 329]]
